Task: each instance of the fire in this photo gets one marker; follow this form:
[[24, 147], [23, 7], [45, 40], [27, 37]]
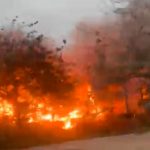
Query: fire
[[75, 114], [47, 117], [66, 120], [31, 120], [47, 112], [6, 109], [67, 125]]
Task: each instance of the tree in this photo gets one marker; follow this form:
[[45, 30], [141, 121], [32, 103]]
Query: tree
[[29, 70]]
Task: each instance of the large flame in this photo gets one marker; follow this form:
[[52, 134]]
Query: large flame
[[43, 112]]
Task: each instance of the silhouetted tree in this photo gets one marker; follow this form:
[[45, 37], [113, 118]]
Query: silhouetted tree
[[27, 67]]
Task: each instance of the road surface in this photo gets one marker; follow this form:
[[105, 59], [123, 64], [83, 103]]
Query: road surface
[[124, 142]]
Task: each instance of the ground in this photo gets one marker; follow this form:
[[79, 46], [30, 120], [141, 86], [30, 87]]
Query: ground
[[123, 142]]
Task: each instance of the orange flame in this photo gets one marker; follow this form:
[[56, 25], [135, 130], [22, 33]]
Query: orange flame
[[6, 109], [42, 112]]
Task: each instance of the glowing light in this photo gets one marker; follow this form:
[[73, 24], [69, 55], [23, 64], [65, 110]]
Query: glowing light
[[67, 125], [75, 114], [40, 106], [46, 113], [31, 120], [47, 117], [6, 109]]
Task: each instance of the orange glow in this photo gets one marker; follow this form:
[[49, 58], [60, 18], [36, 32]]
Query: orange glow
[[47, 117], [67, 125], [6, 109], [44, 111], [75, 114]]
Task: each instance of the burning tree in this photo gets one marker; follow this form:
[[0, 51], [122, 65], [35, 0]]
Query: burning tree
[[29, 71]]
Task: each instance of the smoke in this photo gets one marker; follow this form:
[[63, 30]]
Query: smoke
[[113, 55], [95, 50], [113, 52], [81, 51]]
